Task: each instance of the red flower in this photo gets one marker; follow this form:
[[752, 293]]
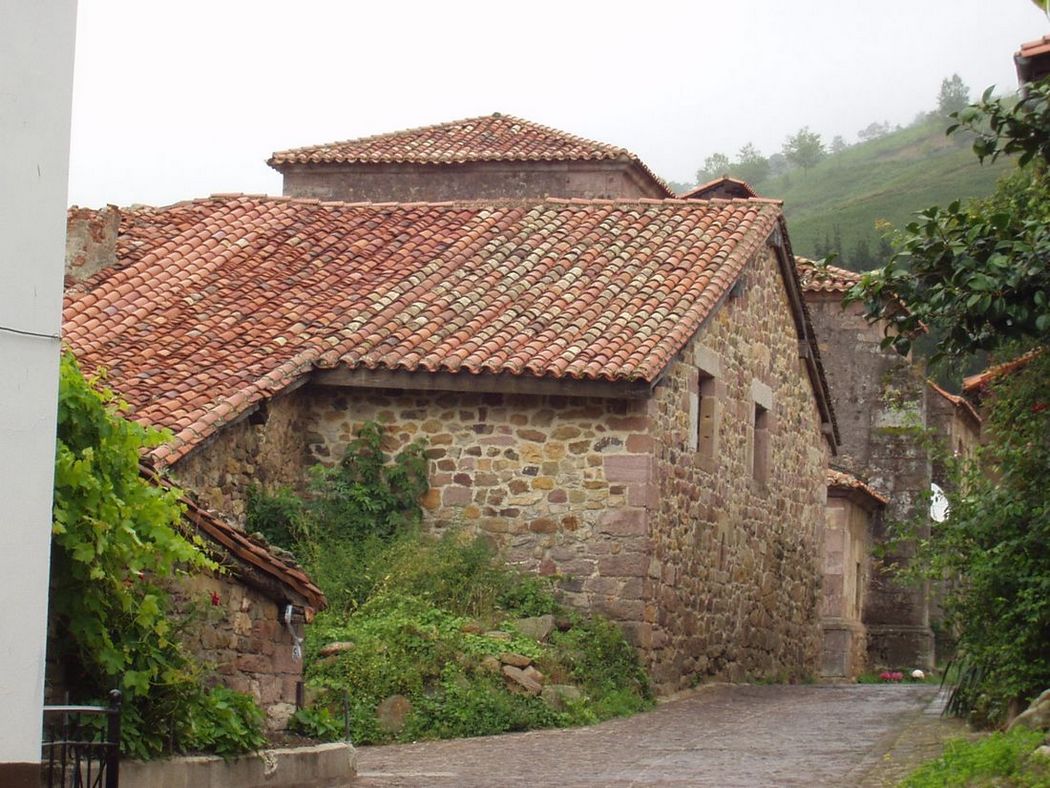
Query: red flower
[[1039, 407], [216, 600]]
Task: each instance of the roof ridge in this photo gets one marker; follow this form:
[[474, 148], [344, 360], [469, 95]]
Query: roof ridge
[[519, 202], [445, 124]]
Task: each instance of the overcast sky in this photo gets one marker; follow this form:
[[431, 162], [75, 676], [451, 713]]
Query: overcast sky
[[185, 99]]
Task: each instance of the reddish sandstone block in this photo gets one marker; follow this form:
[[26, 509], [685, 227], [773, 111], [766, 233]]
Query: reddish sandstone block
[[623, 565], [624, 522], [627, 467]]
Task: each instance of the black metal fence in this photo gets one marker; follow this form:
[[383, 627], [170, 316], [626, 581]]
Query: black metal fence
[[82, 745]]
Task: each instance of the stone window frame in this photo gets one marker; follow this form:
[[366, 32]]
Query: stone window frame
[[707, 394], [760, 437]]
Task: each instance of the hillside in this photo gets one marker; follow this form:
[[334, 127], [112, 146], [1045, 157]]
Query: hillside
[[884, 179]]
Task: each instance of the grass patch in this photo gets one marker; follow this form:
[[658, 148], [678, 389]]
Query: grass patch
[[1001, 759], [886, 179]]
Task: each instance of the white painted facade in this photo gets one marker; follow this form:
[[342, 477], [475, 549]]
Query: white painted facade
[[36, 84]]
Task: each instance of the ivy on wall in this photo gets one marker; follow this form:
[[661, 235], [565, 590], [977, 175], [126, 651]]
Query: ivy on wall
[[116, 542]]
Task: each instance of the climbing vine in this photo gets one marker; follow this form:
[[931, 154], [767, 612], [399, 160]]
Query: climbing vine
[[116, 541]]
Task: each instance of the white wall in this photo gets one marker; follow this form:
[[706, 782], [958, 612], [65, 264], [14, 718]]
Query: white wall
[[36, 81]]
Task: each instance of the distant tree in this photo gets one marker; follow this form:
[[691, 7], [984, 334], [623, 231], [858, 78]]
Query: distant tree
[[884, 251], [838, 144], [861, 258], [804, 148], [751, 165], [874, 130], [778, 165], [954, 95], [715, 166], [679, 187]]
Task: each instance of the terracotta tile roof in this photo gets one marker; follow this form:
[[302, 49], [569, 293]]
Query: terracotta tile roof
[[974, 384], [959, 403], [847, 482], [243, 548], [492, 137], [827, 279], [720, 187], [1040, 46], [218, 313]]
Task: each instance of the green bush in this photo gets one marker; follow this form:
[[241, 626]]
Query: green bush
[[999, 759], [317, 723], [117, 541], [225, 723]]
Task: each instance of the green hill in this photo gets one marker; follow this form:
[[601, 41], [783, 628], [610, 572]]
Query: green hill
[[886, 179]]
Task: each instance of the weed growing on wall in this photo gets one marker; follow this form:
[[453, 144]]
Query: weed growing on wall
[[116, 538], [429, 619]]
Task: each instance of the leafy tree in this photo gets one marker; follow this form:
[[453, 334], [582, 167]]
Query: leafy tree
[[751, 165], [978, 274], [995, 540], [838, 144], [954, 95], [715, 166], [804, 148]]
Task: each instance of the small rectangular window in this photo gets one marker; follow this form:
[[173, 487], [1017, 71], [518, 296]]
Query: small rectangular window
[[760, 455], [707, 423], [703, 417]]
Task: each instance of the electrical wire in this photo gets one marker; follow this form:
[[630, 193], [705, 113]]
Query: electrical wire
[[20, 332]]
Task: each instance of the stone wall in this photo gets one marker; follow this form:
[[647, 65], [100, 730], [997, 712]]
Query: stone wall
[[267, 448], [559, 484], [469, 181], [236, 631], [735, 573], [847, 572], [91, 241], [880, 403]]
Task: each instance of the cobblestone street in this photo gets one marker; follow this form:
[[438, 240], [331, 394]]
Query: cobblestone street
[[835, 735]]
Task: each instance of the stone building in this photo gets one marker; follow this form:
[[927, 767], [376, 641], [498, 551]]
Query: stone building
[[491, 157], [626, 394], [853, 513], [883, 402]]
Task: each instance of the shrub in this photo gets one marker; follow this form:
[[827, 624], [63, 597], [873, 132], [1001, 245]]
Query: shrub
[[225, 723], [416, 609], [316, 722], [998, 759]]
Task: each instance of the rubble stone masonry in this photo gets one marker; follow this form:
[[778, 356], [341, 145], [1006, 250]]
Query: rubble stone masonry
[[735, 567]]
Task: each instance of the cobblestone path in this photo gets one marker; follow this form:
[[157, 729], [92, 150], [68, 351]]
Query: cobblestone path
[[835, 735]]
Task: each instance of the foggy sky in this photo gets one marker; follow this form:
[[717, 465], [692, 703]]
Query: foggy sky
[[181, 100]]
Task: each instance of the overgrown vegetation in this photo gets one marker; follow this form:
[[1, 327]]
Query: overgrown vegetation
[[116, 538], [996, 541], [998, 759], [978, 276], [428, 618]]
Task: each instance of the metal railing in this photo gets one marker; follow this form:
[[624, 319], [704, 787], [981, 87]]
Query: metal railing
[[81, 747]]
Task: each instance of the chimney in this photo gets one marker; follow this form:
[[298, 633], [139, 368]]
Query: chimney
[[91, 241]]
